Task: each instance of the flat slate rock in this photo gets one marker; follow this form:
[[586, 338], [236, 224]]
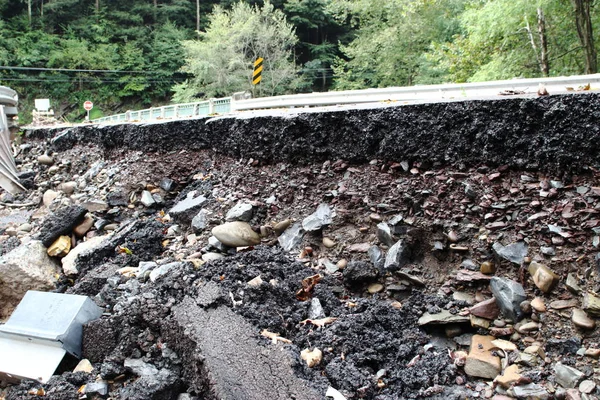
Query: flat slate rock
[[62, 222]]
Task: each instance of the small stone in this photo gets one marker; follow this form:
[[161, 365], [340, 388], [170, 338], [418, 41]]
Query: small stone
[[593, 353], [320, 218], [452, 237], [60, 247], [504, 345], [538, 305], [375, 288], [100, 388], [84, 227], [376, 257], [359, 247], [525, 307], [212, 256], [581, 319], [375, 217], [341, 264], [95, 205], [462, 296], [167, 184], [45, 159], [548, 251], [509, 377], [488, 268], [68, 187], [312, 358], [543, 277], [442, 318], [567, 377], [481, 362], [240, 212], [147, 199], [236, 234], [185, 210], [587, 386], [327, 242], [397, 256], [572, 284], [563, 304], [163, 270], [84, 366], [514, 252], [487, 309], [280, 227], [25, 227], [477, 322], [48, 197], [509, 295], [530, 391], [292, 238], [200, 221], [591, 305], [315, 311], [255, 282], [384, 234], [528, 327]]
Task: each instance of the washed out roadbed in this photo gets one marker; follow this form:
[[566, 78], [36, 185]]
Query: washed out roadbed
[[323, 265]]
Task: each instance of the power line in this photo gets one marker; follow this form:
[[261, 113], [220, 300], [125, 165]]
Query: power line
[[112, 71]]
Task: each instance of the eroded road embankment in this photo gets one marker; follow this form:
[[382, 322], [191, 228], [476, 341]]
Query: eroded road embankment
[[556, 133]]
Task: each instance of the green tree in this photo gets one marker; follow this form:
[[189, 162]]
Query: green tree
[[221, 61]]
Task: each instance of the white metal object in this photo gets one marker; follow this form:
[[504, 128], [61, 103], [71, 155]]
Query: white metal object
[[9, 180], [41, 330], [42, 104]]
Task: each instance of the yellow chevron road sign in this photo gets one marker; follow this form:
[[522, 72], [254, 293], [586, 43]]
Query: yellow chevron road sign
[[257, 74]]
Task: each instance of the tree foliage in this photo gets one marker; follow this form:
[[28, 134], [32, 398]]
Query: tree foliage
[[221, 60]]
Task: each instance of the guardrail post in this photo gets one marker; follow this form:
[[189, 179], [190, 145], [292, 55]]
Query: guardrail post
[[211, 106], [176, 111], [195, 110], [162, 113]]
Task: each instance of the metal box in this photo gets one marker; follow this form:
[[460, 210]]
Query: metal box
[[41, 330]]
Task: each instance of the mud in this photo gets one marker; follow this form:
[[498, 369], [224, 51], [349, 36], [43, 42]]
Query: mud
[[556, 133]]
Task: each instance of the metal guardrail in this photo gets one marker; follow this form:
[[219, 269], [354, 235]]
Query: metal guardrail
[[176, 111], [406, 94], [9, 99]]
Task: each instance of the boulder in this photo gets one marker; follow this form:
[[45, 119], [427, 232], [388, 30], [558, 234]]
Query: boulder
[[236, 234], [27, 267]]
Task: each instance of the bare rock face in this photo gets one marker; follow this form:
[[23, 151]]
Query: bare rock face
[[27, 267]]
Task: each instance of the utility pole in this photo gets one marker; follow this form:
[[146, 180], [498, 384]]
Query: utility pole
[[198, 15]]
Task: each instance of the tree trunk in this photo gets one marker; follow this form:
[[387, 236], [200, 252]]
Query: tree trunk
[[533, 44], [97, 6], [29, 11], [198, 15], [544, 63], [583, 21]]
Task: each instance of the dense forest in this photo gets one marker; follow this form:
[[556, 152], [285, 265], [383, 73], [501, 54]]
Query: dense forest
[[139, 53]]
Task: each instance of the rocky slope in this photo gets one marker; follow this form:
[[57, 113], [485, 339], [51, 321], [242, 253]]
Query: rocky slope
[[368, 265]]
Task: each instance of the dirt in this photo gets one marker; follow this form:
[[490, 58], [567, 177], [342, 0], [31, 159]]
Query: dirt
[[471, 172]]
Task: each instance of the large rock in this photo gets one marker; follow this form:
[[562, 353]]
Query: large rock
[[27, 267], [591, 305], [397, 256], [240, 212], [487, 309], [509, 295], [200, 221], [319, 219], [60, 223], [514, 252], [384, 234], [69, 262], [236, 234], [481, 361], [185, 210]]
